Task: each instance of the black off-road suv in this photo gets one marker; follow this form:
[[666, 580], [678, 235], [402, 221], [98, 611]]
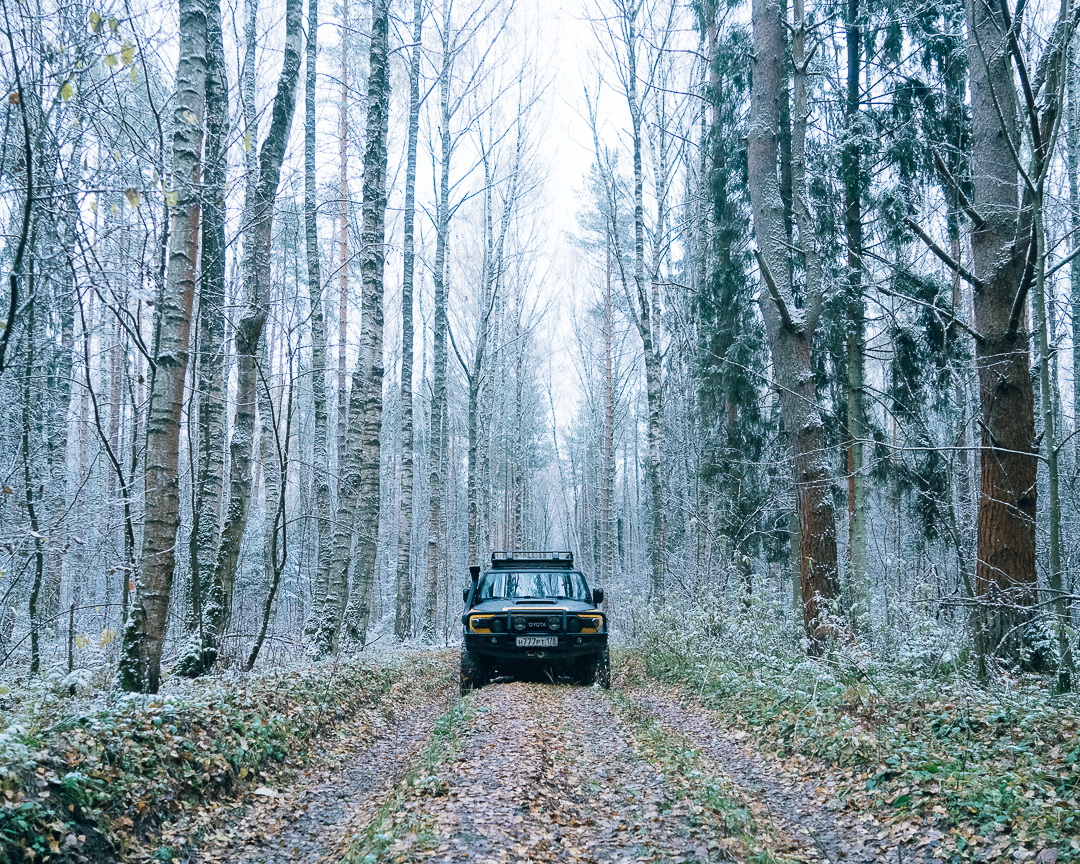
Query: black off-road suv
[[532, 615]]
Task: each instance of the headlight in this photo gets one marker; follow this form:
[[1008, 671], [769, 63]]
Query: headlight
[[498, 625], [519, 622], [573, 625], [481, 623], [554, 622]]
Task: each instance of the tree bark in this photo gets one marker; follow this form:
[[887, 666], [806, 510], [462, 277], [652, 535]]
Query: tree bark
[[249, 331], [144, 636], [438, 431], [321, 443], [343, 234], [851, 172], [210, 356], [1005, 578], [373, 271], [404, 587], [791, 330], [643, 313]]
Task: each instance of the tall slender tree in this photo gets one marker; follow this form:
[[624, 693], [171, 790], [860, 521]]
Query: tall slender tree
[[404, 581], [144, 637], [249, 332]]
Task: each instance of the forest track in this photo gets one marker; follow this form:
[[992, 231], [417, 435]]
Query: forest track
[[536, 773], [542, 773]]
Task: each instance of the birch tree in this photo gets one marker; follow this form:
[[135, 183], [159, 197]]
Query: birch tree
[[140, 669], [257, 261]]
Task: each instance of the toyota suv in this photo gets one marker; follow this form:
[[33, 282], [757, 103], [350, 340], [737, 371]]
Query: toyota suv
[[533, 615]]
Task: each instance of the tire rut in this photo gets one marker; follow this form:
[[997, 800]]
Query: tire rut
[[309, 819], [544, 774], [804, 811]]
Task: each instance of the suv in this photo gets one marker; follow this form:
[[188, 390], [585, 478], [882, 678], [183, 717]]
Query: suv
[[533, 613]]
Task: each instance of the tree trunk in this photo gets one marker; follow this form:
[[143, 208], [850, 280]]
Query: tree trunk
[[343, 233], [851, 172], [791, 330], [1073, 166], [144, 636], [607, 480], [1005, 579], [643, 313], [210, 357], [404, 593], [437, 436], [372, 270], [274, 450], [321, 444], [30, 482]]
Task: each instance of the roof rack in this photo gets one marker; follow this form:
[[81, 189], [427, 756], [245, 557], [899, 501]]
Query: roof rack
[[518, 558]]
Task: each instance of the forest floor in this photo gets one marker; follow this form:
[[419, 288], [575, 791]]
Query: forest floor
[[521, 772], [379, 761]]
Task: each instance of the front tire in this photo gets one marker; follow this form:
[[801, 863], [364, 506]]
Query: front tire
[[595, 669], [474, 673], [603, 669]]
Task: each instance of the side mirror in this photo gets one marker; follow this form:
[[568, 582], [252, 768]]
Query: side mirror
[[597, 596], [464, 595]]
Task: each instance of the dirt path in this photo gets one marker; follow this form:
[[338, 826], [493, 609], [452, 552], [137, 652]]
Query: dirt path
[[810, 816], [542, 773], [538, 773]]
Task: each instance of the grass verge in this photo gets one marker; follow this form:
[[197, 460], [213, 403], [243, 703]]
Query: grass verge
[[75, 784], [711, 798]]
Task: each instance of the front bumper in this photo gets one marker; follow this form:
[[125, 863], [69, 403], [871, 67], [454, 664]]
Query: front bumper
[[504, 646]]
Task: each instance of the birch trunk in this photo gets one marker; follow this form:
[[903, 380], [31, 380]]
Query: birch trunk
[[210, 356], [249, 331], [372, 270], [144, 636], [343, 234], [438, 425], [643, 314], [321, 443], [607, 487], [404, 587]]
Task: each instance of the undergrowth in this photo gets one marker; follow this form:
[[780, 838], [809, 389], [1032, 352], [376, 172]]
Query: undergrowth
[[77, 780], [994, 770]]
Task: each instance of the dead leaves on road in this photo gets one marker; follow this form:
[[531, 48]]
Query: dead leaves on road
[[539, 774]]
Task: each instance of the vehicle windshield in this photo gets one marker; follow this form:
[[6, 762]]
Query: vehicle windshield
[[509, 584]]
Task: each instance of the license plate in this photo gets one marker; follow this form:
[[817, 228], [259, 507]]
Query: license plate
[[537, 641]]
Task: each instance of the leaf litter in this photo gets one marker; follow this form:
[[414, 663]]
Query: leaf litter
[[545, 774]]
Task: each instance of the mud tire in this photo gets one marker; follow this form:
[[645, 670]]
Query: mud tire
[[474, 672]]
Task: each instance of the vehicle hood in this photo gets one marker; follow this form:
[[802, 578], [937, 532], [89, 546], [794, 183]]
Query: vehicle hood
[[533, 606]]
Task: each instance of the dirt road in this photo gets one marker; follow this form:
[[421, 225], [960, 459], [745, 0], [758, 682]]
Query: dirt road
[[538, 773]]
